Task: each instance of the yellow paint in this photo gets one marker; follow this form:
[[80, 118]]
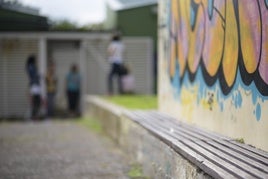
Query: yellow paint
[[204, 104], [215, 39], [230, 56], [188, 101], [175, 11]]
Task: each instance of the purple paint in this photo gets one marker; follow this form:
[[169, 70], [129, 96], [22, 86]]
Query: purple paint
[[211, 33], [250, 20], [263, 68]]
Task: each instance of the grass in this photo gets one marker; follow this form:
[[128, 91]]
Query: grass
[[136, 172], [240, 140], [92, 124], [143, 102]]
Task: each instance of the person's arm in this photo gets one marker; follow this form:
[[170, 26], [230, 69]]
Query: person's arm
[[80, 83], [124, 55], [56, 84], [111, 50], [66, 83]]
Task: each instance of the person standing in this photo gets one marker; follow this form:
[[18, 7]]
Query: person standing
[[73, 86], [34, 86], [51, 84], [115, 57]]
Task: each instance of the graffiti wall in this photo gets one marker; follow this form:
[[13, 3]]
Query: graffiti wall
[[214, 65]]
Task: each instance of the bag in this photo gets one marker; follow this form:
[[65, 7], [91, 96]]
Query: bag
[[123, 70]]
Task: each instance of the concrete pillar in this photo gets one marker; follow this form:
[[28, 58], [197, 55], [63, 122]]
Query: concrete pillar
[[83, 72], [42, 58]]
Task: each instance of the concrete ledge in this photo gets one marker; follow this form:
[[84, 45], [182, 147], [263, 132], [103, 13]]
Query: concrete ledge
[[157, 158], [167, 148]]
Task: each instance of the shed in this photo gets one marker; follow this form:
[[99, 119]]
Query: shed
[[64, 48]]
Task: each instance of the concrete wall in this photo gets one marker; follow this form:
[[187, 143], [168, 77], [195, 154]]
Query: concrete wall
[[158, 160], [213, 69]]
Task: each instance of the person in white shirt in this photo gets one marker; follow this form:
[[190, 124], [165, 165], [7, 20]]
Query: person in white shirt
[[115, 52]]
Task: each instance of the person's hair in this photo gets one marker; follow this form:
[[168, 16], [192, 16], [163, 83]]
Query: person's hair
[[74, 68], [116, 37], [31, 60]]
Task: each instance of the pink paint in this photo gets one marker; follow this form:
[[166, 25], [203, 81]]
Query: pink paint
[[199, 33], [183, 39], [263, 68], [250, 19]]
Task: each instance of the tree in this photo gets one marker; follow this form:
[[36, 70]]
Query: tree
[[63, 25], [66, 25], [93, 27]]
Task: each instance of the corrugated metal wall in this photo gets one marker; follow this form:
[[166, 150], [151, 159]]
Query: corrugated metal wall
[[14, 101], [138, 57], [97, 67], [13, 78], [64, 54]]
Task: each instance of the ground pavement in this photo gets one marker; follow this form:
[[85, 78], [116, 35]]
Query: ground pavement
[[58, 149]]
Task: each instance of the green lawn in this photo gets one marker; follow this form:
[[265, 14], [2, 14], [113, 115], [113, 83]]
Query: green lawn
[[143, 102], [91, 123]]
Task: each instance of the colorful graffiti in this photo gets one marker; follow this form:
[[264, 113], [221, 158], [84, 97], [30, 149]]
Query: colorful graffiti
[[216, 48], [222, 38]]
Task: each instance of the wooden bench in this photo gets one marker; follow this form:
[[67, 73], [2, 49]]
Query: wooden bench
[[218, 156]]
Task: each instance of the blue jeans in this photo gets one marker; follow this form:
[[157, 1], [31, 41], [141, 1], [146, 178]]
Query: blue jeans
[[115, 71]]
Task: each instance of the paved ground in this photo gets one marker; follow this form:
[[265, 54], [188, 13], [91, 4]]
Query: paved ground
[[49, 150]]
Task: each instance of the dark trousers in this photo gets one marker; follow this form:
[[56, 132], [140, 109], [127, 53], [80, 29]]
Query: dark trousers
[[115, 71], [36, 104], [50, 104], [73, 100]]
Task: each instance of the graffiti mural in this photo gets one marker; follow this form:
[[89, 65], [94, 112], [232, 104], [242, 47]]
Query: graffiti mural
[[216, 48]]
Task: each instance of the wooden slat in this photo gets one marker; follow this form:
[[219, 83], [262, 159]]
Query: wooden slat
[[199, 160], [237, 155], [220, 153], [204, 164], [195, 129], [252, 149], [195, 148], [246, 159], [234, 161], [226, 149], [245, 150], [178, 134]]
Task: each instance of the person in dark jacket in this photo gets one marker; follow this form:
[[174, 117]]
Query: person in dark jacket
[[34, 86]]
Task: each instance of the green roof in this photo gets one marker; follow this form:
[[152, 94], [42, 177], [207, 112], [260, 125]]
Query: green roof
[[128, 4]]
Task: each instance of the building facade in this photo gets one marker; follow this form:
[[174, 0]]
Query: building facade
[[87, 50]]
